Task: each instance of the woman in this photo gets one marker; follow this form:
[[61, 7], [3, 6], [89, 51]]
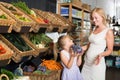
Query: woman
[[100, 39]]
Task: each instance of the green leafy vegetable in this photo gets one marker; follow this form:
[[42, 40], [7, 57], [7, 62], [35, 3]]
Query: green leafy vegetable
[[22, 5]]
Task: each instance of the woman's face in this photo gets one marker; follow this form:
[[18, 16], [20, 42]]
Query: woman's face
[[96, 19]]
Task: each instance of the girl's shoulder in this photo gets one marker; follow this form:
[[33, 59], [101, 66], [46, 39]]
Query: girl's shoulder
[[63, 52]]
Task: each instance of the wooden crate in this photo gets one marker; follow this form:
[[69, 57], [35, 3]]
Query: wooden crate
[[21, 26], [39, 50], [41, 25], [17, 56], [9, 52], [54, 75], [6, 24], [53, 21]]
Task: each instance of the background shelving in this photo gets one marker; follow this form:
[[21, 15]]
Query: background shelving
[[80, 16]]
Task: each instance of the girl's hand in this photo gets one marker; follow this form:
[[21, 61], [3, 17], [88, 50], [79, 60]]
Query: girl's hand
[[73, 54], [97, 60], [81, 53]]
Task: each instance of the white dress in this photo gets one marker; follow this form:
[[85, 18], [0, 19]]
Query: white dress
[[73, 73], [90, 71]]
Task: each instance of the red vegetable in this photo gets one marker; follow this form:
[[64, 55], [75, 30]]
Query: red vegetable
[[2, 50]]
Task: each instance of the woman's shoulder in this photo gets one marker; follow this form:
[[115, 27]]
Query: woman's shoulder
[[109, 30]]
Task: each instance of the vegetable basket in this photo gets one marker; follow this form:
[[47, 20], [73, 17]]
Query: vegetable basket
[[67, 24], [7, 53], [54, 75], [24, 22], [6, 22], [18, 54], [55, 26], [39, 50], [64, 24], [40, 22]]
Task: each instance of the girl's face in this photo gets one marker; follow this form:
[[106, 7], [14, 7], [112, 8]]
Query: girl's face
[[97, 19], [68, 42]]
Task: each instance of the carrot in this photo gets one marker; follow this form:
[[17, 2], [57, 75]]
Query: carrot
[[52, 64]]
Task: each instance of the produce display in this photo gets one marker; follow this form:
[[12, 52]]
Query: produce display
[[51, 65], [5, 51], [17, 41], [18, 15], [50, 17], [3, 16], [6, 21], [24, 7], [21, 18], [42, 70], [47, 70], [2, 50], [40, 40]]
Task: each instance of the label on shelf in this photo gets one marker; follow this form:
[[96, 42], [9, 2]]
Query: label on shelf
[[64, 10], [75, 13]]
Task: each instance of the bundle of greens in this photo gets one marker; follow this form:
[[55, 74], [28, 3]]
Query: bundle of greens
[[40, 38], [22, 5]]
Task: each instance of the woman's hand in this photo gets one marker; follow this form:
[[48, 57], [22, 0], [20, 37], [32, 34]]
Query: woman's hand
[[97, 60]]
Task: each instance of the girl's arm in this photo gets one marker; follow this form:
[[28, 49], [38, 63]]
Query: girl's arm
[[67, 62]]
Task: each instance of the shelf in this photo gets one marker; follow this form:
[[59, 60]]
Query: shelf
[[86, 20], [85, 10], [72, 4], [73, 16]]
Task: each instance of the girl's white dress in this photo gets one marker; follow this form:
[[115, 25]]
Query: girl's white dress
[[73, 73], [90, 71]]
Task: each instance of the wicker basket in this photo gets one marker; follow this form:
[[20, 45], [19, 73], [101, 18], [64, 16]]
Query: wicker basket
[[17, 53], [21, 26], [39, 50], [86, 6], [6, 24], [9, 52], [67, 23], [54, 75], [57, 21], [40, 26], [53, 21]]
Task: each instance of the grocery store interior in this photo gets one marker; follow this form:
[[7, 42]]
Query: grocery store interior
[[30, 29]]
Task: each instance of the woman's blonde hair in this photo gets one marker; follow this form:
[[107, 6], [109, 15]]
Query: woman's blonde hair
[[101, 12]]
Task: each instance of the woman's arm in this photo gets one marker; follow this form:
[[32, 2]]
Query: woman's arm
[[110, 44], [79, 60]]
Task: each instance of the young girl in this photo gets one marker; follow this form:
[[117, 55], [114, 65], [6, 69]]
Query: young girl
[[70, 60]]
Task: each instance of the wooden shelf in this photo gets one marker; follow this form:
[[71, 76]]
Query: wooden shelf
[[70, 4]]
